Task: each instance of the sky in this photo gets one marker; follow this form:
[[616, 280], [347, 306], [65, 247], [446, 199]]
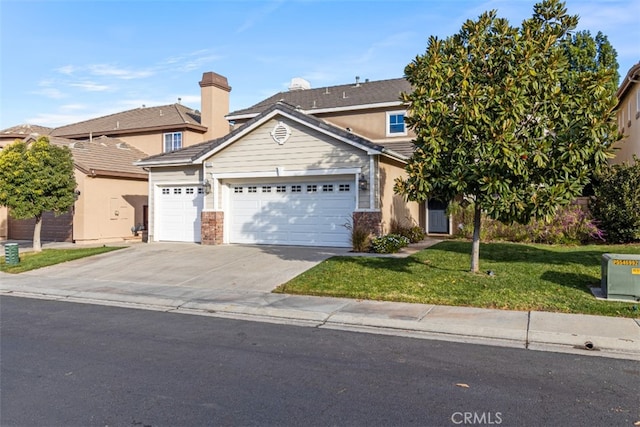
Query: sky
[[62, 62]]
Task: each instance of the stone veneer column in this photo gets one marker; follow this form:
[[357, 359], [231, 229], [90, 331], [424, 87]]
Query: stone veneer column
[[370, 221], [212, 228]]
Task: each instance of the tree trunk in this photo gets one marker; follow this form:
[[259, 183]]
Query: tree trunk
[[37, 246], [475, 246]]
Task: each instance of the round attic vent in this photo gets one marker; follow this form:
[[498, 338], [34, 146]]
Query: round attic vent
[[280, 133]]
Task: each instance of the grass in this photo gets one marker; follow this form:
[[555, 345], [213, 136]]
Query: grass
[[35, 260], [526, 277]]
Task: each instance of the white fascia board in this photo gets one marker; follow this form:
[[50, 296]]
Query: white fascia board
[[181, 162], [329, 110], [288, 173], [393, 154]]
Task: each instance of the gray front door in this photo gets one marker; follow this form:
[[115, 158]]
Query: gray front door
[[438, 219]]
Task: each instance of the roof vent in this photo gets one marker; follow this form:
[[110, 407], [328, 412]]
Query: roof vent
[[280, 133], [298, 83]]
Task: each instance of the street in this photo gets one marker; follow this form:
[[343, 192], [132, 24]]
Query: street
[[66, 364]]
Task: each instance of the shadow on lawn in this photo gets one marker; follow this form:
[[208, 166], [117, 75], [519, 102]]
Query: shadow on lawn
[[518, 252], [577, 281], [399, 265]]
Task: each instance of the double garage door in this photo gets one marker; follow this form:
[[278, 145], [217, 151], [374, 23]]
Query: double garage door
[[304, 213]]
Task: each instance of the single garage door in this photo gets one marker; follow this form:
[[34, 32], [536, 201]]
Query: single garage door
[[305, 213], [178, 210]]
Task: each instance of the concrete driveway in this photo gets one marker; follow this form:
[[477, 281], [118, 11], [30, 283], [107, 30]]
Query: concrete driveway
[[228, 267]]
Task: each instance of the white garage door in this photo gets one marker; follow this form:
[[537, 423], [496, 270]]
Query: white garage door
[[178, 211], [306, 213]]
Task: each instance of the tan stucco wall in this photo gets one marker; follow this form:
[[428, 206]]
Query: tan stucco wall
[[393, 206], [629, 124], [4, 220], [107, 208], [153, 143], [371, 124]]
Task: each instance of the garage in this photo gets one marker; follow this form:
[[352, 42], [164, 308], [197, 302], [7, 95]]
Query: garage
[[300, 213], [178, 210]]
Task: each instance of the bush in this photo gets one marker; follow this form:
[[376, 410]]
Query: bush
[[571, 225], [616, 202], [415, 234], [360, 237], [389, 244]]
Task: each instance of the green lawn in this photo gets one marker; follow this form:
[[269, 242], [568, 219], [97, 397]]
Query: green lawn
[[34, 260], [527, 277]]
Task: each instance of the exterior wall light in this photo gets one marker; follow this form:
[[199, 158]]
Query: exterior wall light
[[363, 183], [207, 186]]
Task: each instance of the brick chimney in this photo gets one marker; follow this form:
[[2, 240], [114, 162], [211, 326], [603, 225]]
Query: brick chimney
[[214, 100]]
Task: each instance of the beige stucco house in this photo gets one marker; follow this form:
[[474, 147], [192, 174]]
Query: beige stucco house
[[628, 114], [295, 170], [113, 192]]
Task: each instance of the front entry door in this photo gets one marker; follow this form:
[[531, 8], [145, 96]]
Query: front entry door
[[438, 219]]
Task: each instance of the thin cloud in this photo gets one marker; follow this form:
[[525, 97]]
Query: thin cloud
[[50, 92], [120, 73], [90, 86], [259, 15]]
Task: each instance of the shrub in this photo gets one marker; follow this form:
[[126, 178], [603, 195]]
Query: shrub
[[616, 202], [571, 225], [360, 237], [413, 233], [389, 244]]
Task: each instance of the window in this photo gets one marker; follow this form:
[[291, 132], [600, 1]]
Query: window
[[177, 191], [296, 188], [395, 123], [172, 141], [166, 191], [281, 189], [188, 191], [237, 189], [312, 188], [252, 189], [266, 189], [327, 188], [344, 188], [200, 190]]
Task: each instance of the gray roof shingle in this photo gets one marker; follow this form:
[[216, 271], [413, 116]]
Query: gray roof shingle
[[342, 96], [173, 115]]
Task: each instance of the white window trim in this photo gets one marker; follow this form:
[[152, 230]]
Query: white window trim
[[388, 125], [164, 143]]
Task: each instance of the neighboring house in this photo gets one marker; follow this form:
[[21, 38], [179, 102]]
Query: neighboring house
[[628, 113], [295, 170], [122, 186], [111, 195]]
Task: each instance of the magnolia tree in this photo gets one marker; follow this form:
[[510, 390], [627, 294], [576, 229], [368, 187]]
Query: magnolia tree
[[502, 120], [34, 179]]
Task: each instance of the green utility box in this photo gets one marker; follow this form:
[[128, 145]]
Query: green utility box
[[11, 254], [621, 276]]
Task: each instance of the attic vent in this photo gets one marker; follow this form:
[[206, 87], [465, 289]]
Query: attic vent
[[280, 133], [122, 146]]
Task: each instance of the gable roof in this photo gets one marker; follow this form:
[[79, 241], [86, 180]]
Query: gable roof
[[132, 121], [196, 154], [24, 130], [370, 94], [633, 76], [104, 156]]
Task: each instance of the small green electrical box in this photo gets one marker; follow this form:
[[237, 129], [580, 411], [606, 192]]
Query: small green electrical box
[[621, 276]]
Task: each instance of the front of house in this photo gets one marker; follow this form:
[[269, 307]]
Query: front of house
[[299, 168]]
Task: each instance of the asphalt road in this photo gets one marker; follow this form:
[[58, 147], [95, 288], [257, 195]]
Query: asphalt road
[[65, 364]]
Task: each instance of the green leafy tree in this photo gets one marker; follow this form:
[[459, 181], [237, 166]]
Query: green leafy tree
[[500, 119], [616, 205], [36, 178]]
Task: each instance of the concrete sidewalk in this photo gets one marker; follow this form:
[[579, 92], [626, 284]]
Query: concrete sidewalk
[[570, 333]]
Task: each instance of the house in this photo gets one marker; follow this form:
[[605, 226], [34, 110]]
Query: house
[[111, 195], [628, 114], [111, 188], [298, 168]]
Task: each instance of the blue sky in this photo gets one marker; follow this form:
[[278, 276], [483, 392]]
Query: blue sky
[[67, 61]]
